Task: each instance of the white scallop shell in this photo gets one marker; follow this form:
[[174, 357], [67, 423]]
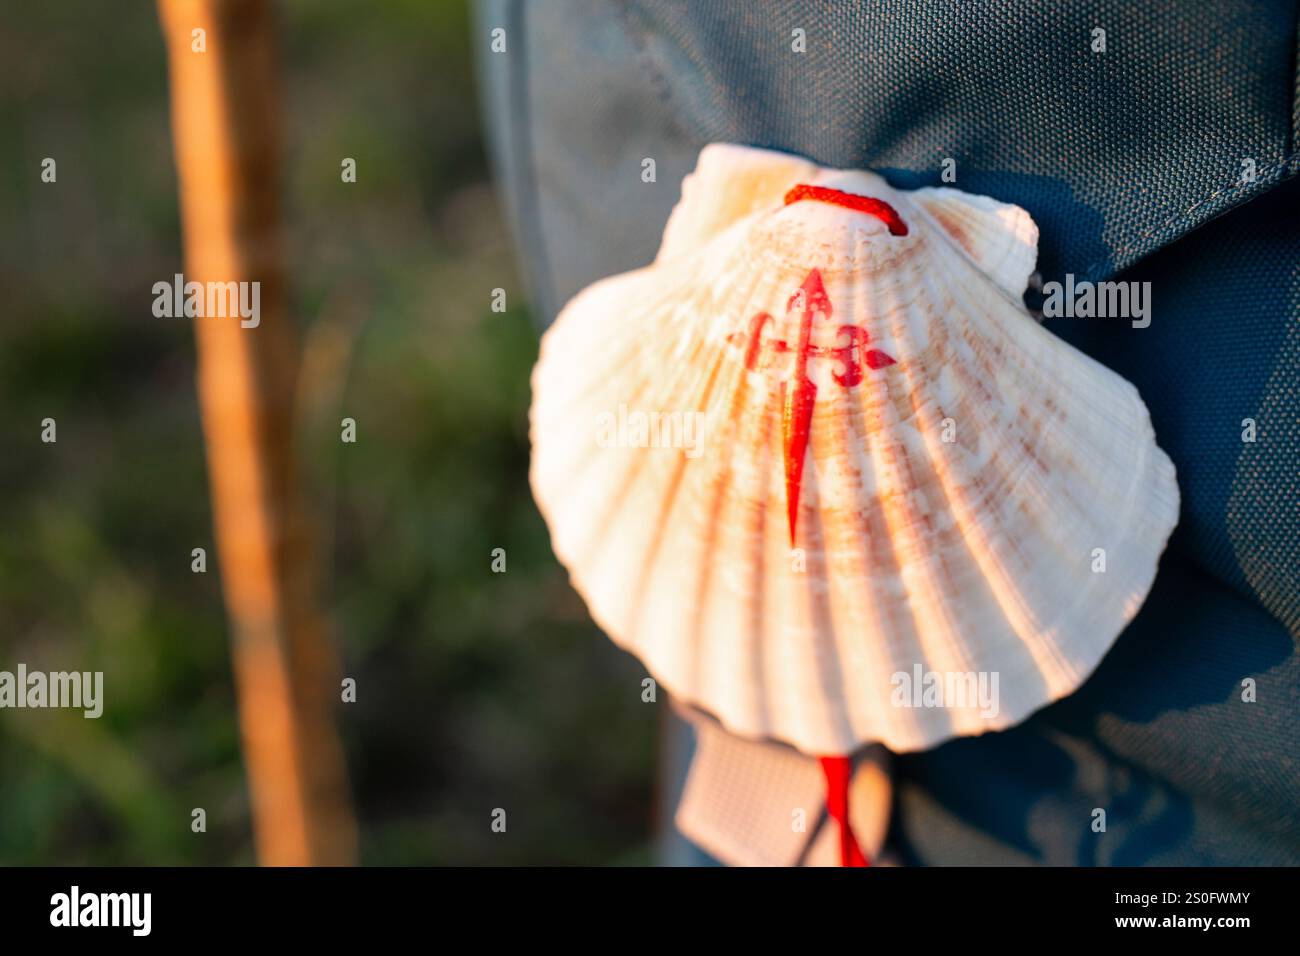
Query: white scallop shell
[[956, 507]]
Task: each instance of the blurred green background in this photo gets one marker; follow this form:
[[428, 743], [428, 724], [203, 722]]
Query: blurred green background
[[475, 690]]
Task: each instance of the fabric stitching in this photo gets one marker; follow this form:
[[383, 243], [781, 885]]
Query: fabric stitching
[[1178, 218]]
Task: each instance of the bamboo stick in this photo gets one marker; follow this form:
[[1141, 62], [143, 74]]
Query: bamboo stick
[[225, 116]]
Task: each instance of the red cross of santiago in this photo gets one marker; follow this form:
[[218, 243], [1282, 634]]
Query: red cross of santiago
[[810, 301]]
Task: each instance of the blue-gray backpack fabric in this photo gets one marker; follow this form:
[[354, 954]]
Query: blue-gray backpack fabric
[[1166, 158]]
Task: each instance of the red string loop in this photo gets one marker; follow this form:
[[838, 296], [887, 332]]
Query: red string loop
[[872, 207], [839, 772]]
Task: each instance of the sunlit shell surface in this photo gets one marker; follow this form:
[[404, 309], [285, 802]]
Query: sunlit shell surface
[[826, 476]]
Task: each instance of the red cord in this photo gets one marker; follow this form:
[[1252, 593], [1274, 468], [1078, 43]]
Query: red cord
[[873, 207], [839, 771]]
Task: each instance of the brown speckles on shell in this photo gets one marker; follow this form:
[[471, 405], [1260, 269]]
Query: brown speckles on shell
[[970, 555]]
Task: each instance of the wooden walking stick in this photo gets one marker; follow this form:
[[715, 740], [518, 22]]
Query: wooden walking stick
[[225, 125]]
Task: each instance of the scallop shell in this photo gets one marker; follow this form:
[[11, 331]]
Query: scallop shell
[[833, 484]]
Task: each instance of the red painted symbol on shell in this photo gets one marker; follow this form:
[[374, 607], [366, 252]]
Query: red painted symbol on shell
[[799, 392], [848, 354], [797, 403]]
